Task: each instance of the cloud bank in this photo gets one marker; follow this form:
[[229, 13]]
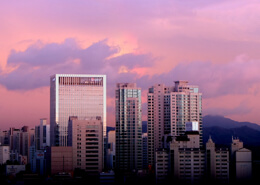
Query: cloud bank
[[33, 67]]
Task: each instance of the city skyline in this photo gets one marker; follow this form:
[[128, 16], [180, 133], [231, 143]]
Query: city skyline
[[211, 44], [171, 150]]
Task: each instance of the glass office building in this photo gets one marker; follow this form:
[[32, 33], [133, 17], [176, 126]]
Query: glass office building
[[80, 95]]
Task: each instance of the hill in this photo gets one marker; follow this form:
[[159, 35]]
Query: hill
[[222, 130], [223, 136], [220, 121]]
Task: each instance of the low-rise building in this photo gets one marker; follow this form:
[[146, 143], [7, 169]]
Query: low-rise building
[[59, 159], [186, 162]]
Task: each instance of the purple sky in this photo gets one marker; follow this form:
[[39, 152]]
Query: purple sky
[[213, 44]]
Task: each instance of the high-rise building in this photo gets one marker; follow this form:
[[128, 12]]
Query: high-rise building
[[14, 141], [80, 95], [128, 128], [20, 141], [24, 141], [86, 139], [169, 109], [42, 135], [145, 149]]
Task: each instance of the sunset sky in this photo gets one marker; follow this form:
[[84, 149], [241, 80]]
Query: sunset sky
[[214, 44]]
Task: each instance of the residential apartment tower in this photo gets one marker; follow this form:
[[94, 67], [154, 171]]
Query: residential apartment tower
[[128, 128], [169, 109]]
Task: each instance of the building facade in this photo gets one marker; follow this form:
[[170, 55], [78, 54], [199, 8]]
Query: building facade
[[186, 162], [59, 160], [217, 163], [243, 165], [78, 95], [14, 141], [169, 109], [145, 150], [240, 162], [42, 135], [161, 166], [4, 154], [86, 139], [128, 127], [4, 138], [111, 149], [20, 141]]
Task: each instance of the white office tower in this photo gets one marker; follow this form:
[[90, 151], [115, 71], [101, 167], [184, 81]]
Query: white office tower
[[80, 95], [169, 109]]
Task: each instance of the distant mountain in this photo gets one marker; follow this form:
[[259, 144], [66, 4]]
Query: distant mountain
[[222, 130], [212, 121], [223, 136], [220, 121]]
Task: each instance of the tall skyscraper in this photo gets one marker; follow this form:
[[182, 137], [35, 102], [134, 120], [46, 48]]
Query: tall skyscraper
[[169, 109], [128, 127], [80, 95]]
